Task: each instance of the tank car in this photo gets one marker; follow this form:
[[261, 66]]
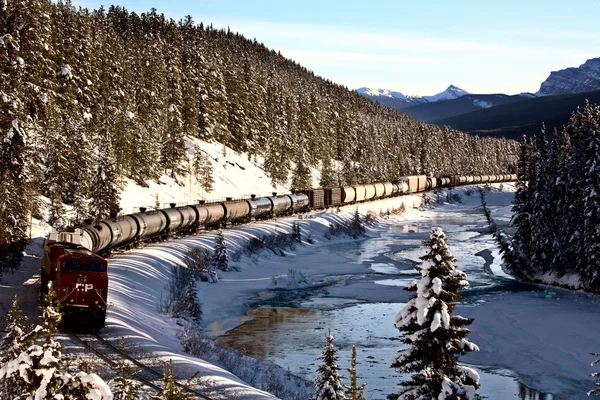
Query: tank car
[[349, 195], [379, 190], [370, 192], [209, 214], [361, 193], [79, 277], [260, 207], [300, 202], [236, 210], [281, 204]]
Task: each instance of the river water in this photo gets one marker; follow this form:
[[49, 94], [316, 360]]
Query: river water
[[288, 327]]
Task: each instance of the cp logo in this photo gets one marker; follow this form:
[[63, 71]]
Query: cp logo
[[84, 286]]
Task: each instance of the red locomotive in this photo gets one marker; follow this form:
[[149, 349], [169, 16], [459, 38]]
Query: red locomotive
[[79, 277]]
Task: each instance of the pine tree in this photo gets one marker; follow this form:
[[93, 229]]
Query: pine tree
[[353, 391], [595, 392], [41, 371], [16, 341], [124, 388], [357, 226], [521, 215], [202, 169], [106, 185], [328, 383], [301, 176], [296, 232], [220, 258], [328, 175], [170, 390], [189, 303], [584, 129], [434, 337]]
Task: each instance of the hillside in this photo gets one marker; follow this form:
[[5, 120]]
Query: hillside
[[429, 112], [94, 99], [521, 118]]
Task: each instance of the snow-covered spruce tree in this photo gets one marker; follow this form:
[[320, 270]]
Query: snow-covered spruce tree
[[202, 169], [584, 129], [106, 184], [328, 383], [123, 386], [199, 261], [190, 305], [220, 258], [595, 392], [17, 340], [538, 219], [296, 232], [328, 175], [41, 372], [521, 214], [301, 176], [353, 390], [434, 337], [356, 226], [171, 391]]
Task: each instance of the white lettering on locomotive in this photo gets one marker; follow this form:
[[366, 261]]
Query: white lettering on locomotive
[[84, 286]]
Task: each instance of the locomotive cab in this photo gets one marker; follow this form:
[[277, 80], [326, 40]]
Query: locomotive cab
[[80, 279]]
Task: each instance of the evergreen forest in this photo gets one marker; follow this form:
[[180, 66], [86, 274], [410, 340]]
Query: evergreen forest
[[89, 98], [557, 204]]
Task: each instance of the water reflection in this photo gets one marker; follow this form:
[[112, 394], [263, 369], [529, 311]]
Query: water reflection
[[283, 332], [294, 337], [526, 393]]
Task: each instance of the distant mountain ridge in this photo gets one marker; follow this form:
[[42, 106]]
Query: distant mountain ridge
[[585, 78], [398, 100], [430, 112], [514, 119]]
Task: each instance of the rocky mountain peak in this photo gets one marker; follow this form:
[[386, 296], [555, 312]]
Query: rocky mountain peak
[[585, 78]]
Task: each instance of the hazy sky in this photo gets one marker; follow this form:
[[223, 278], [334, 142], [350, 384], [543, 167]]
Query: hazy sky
[[416, 47]]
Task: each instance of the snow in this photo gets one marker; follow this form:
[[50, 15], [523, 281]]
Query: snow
[[100, 390], [138, 279], [482, 103], [66, 71], [435, 324], [452, 92], [43, 97], [436, 285], [381, 92]]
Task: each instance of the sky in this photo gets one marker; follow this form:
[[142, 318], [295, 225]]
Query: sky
[[415, 47]]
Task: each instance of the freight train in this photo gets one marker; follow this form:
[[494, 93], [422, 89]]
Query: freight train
[[74, 261]]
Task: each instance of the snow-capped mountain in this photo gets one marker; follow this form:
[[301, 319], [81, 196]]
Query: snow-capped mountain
[[452, 92], [381, 92], [400, 100], [585, 78]]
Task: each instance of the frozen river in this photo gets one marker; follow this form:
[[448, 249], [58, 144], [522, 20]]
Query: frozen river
[[535, 340]]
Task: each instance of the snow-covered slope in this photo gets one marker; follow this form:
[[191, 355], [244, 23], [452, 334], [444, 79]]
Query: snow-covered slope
[[585, 78], [234, 175]]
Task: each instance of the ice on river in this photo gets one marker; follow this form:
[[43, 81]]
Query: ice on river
[[535, 341]]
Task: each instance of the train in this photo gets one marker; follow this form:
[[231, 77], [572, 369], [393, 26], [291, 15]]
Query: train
[[75, 260]]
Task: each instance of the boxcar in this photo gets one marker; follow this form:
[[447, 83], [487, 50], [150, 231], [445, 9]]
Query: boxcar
[[333, 197]]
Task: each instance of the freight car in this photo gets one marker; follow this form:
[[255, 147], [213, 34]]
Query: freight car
[[72, 260]]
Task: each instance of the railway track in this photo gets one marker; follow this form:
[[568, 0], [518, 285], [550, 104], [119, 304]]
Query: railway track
[[112, 356]]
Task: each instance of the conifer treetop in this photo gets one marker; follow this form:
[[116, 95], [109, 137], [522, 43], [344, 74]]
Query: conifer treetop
[[434, 338]]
